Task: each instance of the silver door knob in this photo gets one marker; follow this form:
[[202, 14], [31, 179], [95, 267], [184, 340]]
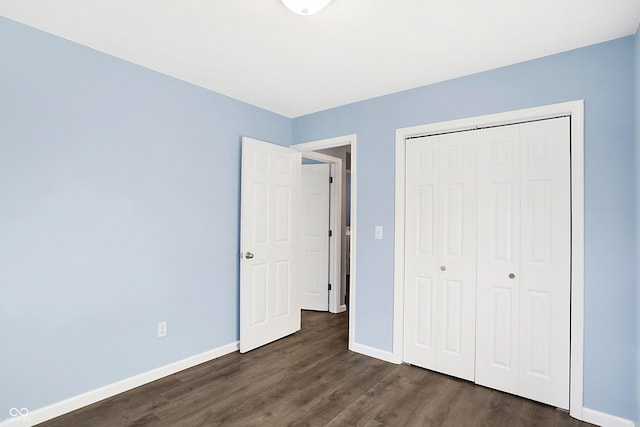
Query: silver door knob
[[248, 255], [512, 276], [443, 268]]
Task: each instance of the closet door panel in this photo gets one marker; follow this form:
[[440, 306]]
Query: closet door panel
[[421, 252], [498, 275], [545, 262], [457, 255]]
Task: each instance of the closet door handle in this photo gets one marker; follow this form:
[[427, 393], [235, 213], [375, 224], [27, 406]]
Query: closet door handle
[[443, 268], [512, 276]]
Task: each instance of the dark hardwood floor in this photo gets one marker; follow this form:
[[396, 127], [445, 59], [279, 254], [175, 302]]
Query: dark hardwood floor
[[311, 379]]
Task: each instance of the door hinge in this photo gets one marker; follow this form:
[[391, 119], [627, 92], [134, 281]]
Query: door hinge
[[330, 180], [329, 286], [330, 233]]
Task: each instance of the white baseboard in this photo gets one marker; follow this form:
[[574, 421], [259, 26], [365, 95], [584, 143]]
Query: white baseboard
[[77, 402], [604, 420], [387, 356], [340, 309]]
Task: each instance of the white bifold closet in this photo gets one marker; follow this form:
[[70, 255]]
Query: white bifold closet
[[487, 257]]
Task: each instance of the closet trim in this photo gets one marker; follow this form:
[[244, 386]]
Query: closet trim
[[574, 109]]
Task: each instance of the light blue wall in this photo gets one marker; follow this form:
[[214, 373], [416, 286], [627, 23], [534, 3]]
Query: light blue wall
[[601, 75], [119, 207]]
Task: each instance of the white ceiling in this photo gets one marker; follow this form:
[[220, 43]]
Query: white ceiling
[[259, 52]]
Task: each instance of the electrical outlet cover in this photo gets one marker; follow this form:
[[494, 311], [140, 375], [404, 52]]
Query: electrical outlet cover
[[162, 329]]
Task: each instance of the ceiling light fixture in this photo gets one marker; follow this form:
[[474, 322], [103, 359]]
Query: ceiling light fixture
[[306, 7]]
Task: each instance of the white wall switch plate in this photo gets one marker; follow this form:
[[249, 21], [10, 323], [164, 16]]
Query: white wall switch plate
[[378, 232]]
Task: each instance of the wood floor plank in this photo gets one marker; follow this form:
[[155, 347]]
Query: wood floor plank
[[322, 397], [311, 379]]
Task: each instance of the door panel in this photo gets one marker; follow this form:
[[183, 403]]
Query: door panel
[[502, 195], [421, 264], [539, 304], [424, 308], [283, 288], [270, 208], [283, 215], [315, 237], [452, 317], [453, 208], [259, 279], [501, 325], [440, 255], [259, 203], [457, 256], [425, 223], [498, 258], [538, 226], [546, 262]]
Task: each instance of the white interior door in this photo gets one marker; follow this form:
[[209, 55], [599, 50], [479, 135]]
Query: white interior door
[[314, 277], [270, 211], [457, 256], [440, 254], [498, 270], [421, 252], [524, 260], [545, 289]]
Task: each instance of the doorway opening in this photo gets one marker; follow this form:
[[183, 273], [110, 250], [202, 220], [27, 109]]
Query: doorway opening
[[321, 280], [341, 153]]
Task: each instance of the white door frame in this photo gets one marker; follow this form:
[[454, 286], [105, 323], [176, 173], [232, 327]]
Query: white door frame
[[576, 110], [331, 143], [335, 224]]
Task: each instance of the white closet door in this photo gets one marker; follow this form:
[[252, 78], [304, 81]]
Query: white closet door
[[524, 260], [421, 252], [545, 262], [457, 256], [498, 279], [440, 254]]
